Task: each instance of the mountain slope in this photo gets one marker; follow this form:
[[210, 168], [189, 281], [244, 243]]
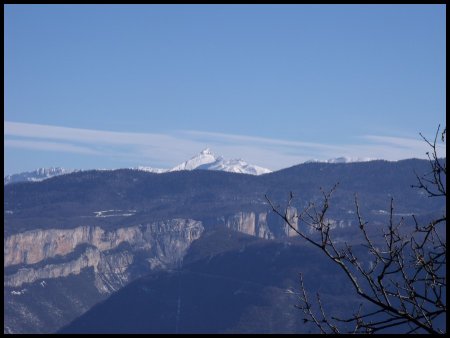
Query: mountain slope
[[249, 286], [69, 200]]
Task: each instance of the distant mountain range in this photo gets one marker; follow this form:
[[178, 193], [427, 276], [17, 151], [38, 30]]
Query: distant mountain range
[[228, 283], [205, 160], [37, 175]]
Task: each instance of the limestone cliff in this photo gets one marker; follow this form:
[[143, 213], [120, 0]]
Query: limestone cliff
[[257, 224], [54, 275], [161, 243]]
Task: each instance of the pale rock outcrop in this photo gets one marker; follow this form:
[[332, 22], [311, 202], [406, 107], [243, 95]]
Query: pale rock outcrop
[[164, 244], [263, 228], [243, 222], [89, 258], [31, 247], [292, 216], [251, 224]]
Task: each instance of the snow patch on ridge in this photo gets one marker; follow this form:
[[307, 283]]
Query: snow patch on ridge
[[37, 175], [343, 159]]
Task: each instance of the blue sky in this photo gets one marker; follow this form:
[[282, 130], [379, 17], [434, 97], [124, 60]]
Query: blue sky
[[111, 86]]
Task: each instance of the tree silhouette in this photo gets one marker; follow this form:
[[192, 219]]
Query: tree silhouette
[[402, 276]]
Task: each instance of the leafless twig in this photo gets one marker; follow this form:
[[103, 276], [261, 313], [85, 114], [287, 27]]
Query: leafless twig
[[406, 281]]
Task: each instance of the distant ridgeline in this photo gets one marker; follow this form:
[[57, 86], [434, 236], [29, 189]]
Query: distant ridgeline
[[37, 175], [205, 160]]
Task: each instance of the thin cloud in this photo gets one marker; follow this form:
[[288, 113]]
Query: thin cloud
[[233, 138], [397, 141], [50, 146], [166, 150], [81, 135], [401, 145]]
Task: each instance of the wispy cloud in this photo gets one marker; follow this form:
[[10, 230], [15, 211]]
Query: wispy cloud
[[169, 149], [145, 146], [81, 135], [400, 142], [233, 138], [49, 146], [395, 148]]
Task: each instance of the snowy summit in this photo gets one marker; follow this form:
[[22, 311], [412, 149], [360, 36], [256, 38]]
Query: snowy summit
[[204, 158], [36, 175], [207, 160]]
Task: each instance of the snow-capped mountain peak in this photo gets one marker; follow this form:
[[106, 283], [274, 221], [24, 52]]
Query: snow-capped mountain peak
[[151, 169], [37, 175], [237, 166], [206, 156], [207, 160]]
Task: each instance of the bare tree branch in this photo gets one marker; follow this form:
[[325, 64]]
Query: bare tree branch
[[406, 278]]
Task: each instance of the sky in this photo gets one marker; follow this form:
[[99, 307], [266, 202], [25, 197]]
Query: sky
[[118, 86]]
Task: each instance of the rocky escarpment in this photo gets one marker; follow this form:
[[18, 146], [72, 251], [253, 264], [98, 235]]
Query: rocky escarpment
[[160, 244], [32, 254], [54, 275], [259, 225]]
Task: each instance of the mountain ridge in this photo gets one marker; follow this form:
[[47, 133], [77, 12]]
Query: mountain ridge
[[37, 175], [205, 160]]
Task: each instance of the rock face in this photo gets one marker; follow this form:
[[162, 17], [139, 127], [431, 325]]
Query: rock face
[[103, 259], [52, 276], [163, 244], [257, 224]]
